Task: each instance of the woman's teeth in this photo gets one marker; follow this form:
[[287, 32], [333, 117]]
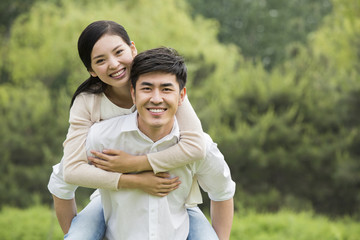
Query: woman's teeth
[[118, 73]]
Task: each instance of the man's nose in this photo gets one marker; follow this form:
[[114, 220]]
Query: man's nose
[[156, 97]]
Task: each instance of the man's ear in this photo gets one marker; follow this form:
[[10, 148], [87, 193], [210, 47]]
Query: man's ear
[[132, 91], [182, 95]]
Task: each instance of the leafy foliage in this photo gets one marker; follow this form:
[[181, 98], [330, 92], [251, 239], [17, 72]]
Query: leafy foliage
[[262, 28], [290, 133]]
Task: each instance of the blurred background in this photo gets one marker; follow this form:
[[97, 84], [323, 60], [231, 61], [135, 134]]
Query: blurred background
[[276, 83]]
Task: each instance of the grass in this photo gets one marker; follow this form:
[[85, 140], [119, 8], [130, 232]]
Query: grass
[[39, 222], [286, 225]]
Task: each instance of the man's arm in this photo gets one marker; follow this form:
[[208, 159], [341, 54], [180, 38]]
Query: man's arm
[[214, 177], [65, 212], [222, 213]]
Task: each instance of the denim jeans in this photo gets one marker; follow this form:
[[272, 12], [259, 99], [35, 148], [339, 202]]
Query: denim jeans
[[200, 227], [89, 224]]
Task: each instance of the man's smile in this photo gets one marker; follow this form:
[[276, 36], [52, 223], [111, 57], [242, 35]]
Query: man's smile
[[157, 110]]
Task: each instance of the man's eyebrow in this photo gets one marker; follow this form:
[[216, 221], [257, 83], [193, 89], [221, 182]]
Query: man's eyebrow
[[102, 55], [167, 85], [146, 84], [161, 85]]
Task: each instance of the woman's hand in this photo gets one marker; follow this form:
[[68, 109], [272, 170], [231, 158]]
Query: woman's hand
[[158, 184], [119, 161]]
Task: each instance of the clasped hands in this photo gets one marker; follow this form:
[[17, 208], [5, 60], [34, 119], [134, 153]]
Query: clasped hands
[[136, 172]]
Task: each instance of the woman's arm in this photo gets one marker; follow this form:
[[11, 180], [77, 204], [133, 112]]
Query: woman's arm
[[158, 184], [84, 112], [190, 148]]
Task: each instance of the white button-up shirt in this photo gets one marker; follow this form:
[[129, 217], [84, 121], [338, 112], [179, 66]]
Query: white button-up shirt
[[132, 214]]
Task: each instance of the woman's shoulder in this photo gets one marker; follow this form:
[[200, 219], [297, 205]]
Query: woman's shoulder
[[87, 104], [86, 98]]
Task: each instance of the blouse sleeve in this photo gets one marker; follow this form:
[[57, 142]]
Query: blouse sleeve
[[77, 171], [191, 146]]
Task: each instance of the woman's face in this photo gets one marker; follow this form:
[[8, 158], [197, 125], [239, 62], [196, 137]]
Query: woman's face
[[111, 59]]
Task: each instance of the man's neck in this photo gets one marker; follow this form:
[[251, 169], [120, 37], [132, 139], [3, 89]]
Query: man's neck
[[155, 134]]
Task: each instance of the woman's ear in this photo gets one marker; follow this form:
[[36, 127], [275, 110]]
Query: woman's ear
[[92, 73], [133, 49]]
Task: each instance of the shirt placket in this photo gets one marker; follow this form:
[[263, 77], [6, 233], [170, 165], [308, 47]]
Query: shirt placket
[[153, 218], [153, 212]]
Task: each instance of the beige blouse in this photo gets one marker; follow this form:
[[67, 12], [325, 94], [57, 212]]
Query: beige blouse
[[87, 109]]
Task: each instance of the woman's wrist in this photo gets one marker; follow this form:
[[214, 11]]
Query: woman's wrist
[[141, 164], [127, 181]]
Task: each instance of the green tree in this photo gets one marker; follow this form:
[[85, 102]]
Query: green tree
[[261, 29]]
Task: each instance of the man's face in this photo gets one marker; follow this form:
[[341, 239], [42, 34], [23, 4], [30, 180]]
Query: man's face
[[157, 97]]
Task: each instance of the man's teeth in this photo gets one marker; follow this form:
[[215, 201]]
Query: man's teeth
[[156, 110]]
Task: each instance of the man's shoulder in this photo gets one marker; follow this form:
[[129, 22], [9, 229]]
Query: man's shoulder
[[209, 143], [212, 152], [116, 124], [112, 122]]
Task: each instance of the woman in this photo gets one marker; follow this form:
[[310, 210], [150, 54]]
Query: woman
[[107, 53]]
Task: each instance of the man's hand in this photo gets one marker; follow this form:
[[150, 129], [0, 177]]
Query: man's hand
[[155, 184], [119, 161]]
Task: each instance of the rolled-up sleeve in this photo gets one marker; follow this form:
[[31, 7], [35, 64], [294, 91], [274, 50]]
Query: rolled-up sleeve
[[58, 187], [213, 173]]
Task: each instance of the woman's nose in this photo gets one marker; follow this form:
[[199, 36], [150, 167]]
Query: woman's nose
[[113, 63]]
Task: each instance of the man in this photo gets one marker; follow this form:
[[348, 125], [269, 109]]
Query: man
[[158, 78]]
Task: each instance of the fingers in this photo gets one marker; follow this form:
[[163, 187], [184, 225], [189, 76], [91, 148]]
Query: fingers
[[100, 155], [99, 163], [170, 186], [166, 191], [161, 194], [163, 175], [112, 151]]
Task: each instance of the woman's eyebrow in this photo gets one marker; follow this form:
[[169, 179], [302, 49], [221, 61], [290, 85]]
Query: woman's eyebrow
[[102, 55]]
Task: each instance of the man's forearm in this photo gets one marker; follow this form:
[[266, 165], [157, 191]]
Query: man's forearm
[[65, 212], [222, 214]]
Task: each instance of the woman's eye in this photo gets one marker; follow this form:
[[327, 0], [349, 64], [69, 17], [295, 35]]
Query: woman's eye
[[119, 51], [99, 61]]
